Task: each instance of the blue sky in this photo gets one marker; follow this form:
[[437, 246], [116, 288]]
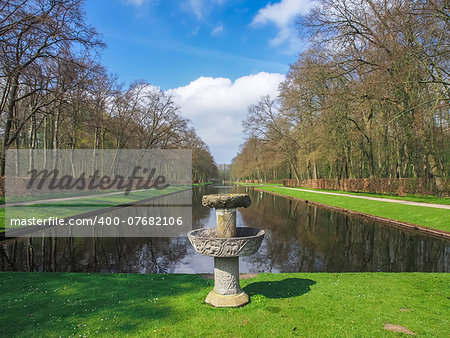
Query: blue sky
[[214, 56]]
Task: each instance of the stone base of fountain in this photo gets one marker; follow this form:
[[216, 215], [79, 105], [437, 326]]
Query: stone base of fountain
[[227, 291], [227, 301]]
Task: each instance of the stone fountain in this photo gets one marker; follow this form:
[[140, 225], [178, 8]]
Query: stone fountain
[[226, 244]]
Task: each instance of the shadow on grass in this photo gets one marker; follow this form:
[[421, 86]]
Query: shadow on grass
[[44, 304], [286, 288]]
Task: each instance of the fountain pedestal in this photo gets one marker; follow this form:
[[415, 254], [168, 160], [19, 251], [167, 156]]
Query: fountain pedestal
[[226, 244], [227, 291]]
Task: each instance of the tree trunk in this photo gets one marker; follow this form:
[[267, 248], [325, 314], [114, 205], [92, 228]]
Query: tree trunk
[[437, 175], [9, 119]]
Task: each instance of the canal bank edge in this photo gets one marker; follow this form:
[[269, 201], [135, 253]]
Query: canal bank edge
[[387, 221]]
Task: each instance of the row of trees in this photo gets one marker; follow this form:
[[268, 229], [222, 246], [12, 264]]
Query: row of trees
[[369, 97], [54, 94]]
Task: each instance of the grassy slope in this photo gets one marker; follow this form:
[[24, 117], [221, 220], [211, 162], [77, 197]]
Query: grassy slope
[[425, 216], [57, 304]]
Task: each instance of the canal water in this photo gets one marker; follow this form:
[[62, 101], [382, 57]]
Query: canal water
[[299, 238]]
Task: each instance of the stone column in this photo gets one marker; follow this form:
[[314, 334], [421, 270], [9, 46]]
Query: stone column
[[226, 275], [226, 222]]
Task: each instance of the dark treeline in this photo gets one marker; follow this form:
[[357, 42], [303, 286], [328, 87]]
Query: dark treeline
[[369, 97], [55, 94]]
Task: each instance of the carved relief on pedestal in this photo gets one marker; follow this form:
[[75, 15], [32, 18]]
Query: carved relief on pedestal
[[205, 242], [226, 277]]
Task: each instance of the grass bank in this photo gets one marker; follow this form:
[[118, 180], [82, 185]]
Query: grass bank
[[423, 216], [304, 304], [408, 197], [201, 184]]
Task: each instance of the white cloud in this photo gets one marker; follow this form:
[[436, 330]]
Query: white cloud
[[217, 30], [217, 106], [196, 6], [200, 7], [282, 15]]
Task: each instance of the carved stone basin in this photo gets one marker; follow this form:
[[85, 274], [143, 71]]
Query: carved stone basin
[[246, 242]]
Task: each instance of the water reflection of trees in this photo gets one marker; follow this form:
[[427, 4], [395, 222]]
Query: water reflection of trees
[[306, 238], [200, 214], [145, 255]]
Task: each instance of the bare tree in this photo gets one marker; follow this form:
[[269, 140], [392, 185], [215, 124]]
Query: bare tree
[[32, 32]]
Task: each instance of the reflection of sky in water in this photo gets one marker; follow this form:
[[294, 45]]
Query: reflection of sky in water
[[203, 264]]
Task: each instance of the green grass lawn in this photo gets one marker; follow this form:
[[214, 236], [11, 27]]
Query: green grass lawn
[[408, 197], [304, 304], [424, 216], [55, 195], [105, 197], [202, 184]]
